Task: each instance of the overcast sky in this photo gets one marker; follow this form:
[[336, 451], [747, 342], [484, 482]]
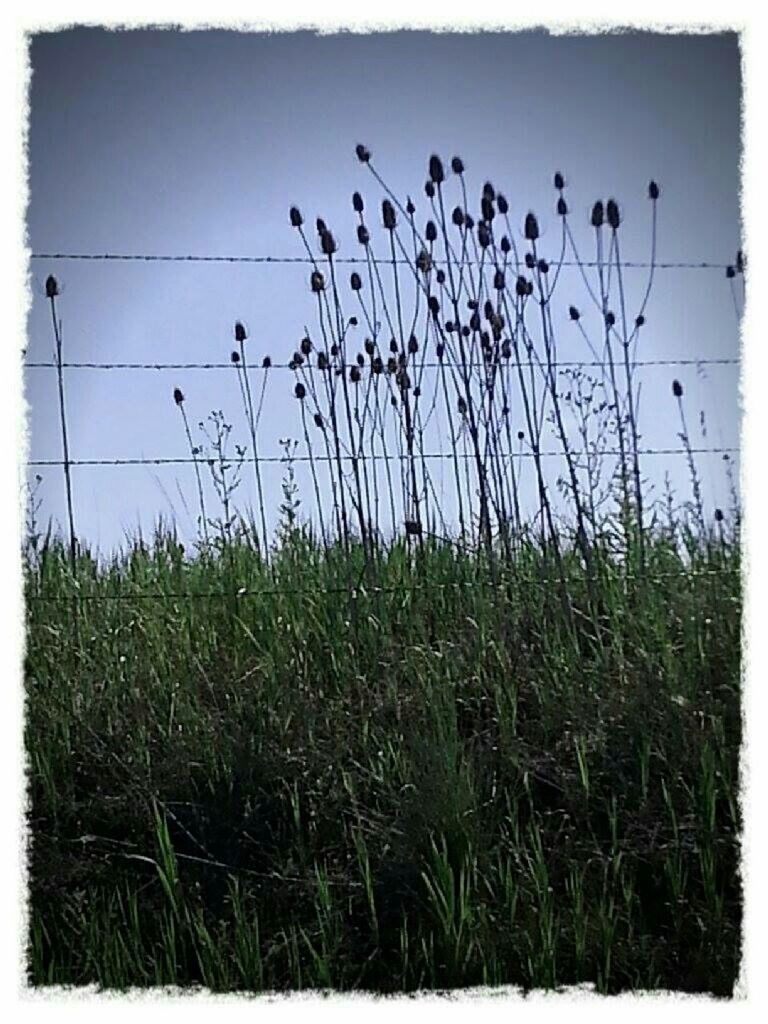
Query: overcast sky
[[199, 142]]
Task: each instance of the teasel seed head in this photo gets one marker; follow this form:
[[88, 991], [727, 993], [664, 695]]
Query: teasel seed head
[[610, 320], [483, 235], [498, 280], [429, 190], [543, 266], [306, 346], [51, 287], [354, 281], [434, 306], [521, 287], [449, 327], [300, 391], [388, 215], [719, 515], [469, 221], [357, 202], [417, 392], [612, 214], [574, 313], [506, 348], [487, 210], [321, 226], [531, 227], [413, 345], [457, 216], [319, 421], [440, 350], [410, 209], [377, 364], [334, 350], [598, 214], [403, 380], [730, 272], [352, 321], [489, 192], [465, 331], [505, 245], [462, 405], [488, 309], [559, 181], [393, 346], [360, 359], [369, 347], [424, 261], [520, 435], [240, 334], [363, 154], [178, 396], [436, 172], [562, 207], [440, 277], [412, 528], [653, 190], [354, 374], [393, 401], [296, 219], [266, 362], [457, 165], [363, 236], [474, 322], [317, 281], [639, 321], [502, 204], [430, 231], [327, 243], [530, 261], [391, 365], [677, 389], [235, 357], [322, 361]]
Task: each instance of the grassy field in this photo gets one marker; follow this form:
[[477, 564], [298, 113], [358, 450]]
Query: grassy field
[[433, 781]]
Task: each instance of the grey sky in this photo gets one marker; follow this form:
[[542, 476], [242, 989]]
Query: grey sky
[[168, 142]]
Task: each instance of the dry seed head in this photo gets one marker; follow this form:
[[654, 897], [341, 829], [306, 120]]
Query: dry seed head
[[235, 357], [462, 405], [598, 214], [413, 345], [429, 190], [434, 306], [360, 359], [321, 226], [354, 282], [559, 180], [306, 346], [531, 227], [489, 192], [319, 421], [436, 172], [483, 235], [457, 165], [354, 374], [430, 231], [51, 287], [543, 266], [363, 154], [178, 396], [505, 245], [296, 219], [357, 202], [521, 287], [240, 334], [639, 321], [458, 216], [440, 350], [612, 213], [393, 346], [610, 319], [487, 210], [322, 361], [730, 272], [520, 435], [502, 204], [574, 313], [362, 234], [530, 262], [334, 350], [677, 389], [388, 215], [369, 347], [469, 221], [377, 364], [719, 515], [391, 365], [317, 281], [266, 362], [300, 391], [412, 528], [653, 190], [327, 243], [562, 207], [410, 209], [440, 277], [424, 261]]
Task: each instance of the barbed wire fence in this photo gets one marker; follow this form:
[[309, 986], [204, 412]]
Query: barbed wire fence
[[401, 456]]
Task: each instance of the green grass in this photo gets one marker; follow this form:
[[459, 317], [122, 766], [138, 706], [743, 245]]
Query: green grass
[[439, 783]]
